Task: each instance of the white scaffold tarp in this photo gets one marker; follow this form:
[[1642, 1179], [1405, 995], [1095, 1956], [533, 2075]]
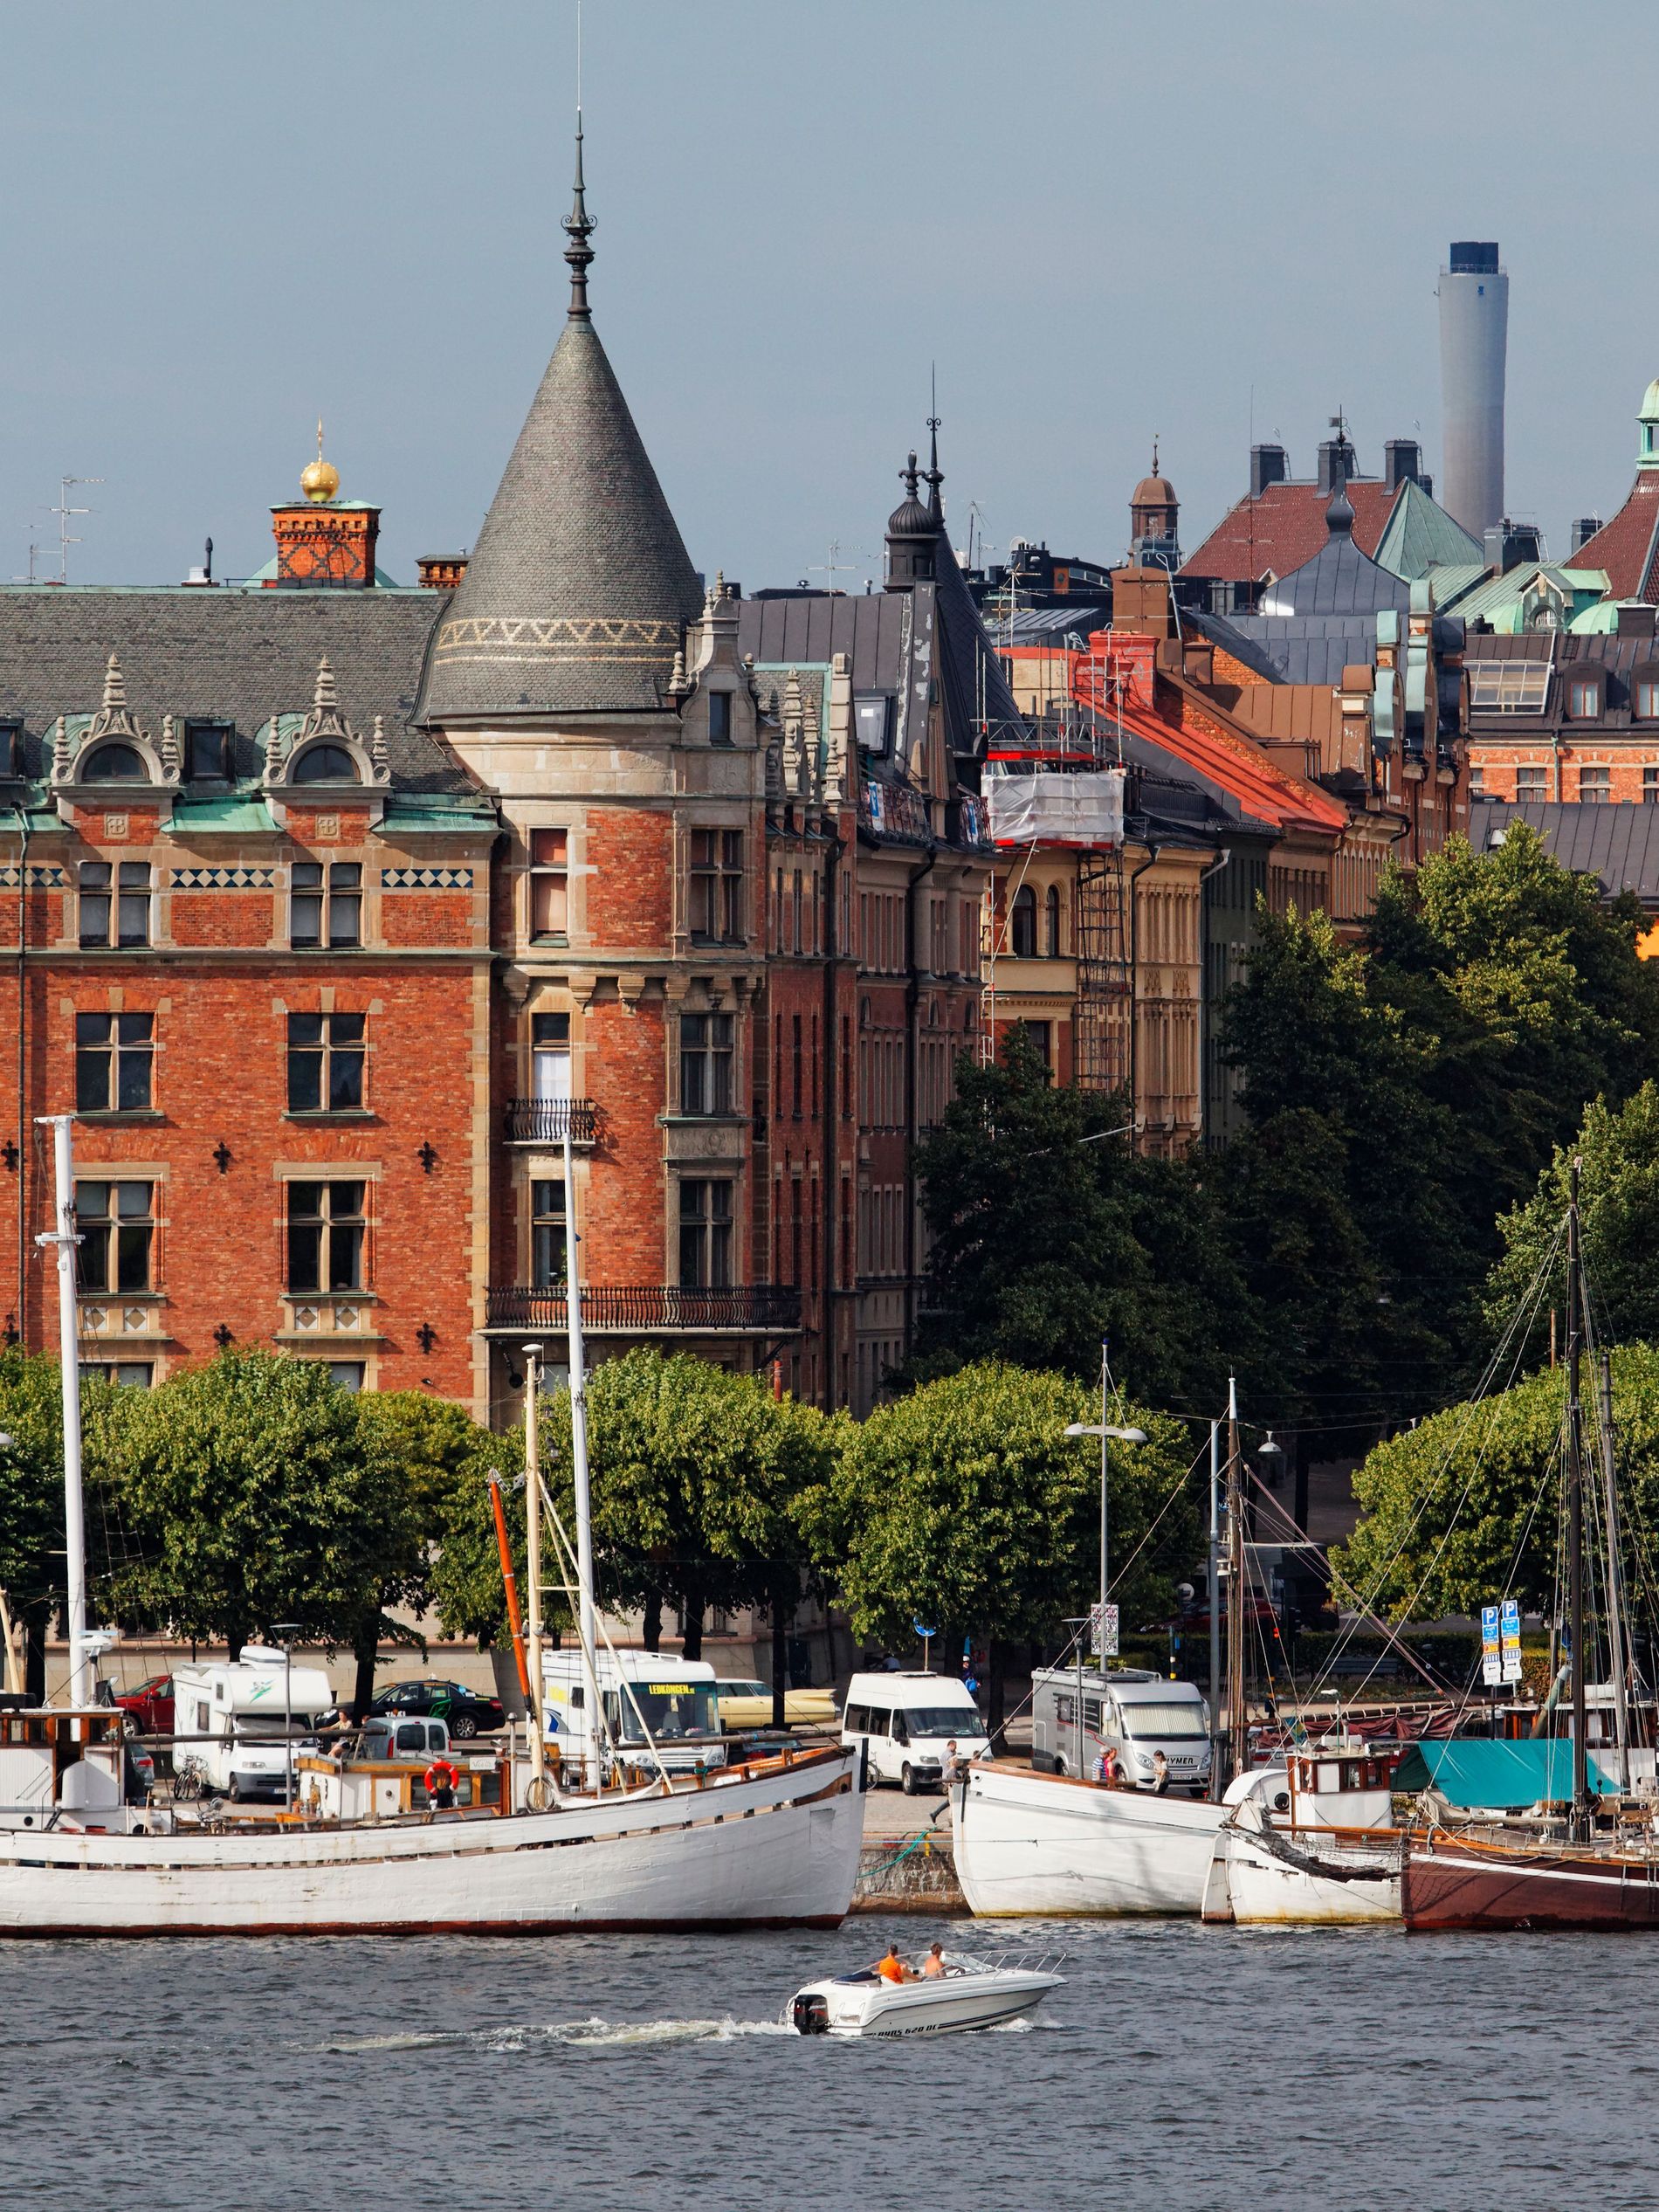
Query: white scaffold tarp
[[1050, 808]]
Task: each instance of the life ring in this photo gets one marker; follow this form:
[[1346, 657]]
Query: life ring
[[441, 1772]]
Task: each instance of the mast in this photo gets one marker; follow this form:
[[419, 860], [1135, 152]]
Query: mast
[[1235, 1744], [1214, 1614], [1579, 1824], [538, 1688], [1617, 1648], [578, 1464], [64, 1236]]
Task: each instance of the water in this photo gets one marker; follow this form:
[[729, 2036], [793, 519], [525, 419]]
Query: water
[[1179, 2067]]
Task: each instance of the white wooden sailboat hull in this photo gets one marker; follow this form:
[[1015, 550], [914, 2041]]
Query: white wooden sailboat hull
[[1266, 1892], [1032, 1843], [780, 1849]]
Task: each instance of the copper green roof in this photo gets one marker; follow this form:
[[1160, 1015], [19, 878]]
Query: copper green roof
[[1420, 535]]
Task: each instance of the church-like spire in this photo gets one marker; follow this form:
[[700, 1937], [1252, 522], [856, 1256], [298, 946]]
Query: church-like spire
[[932, 475], [579, 228]]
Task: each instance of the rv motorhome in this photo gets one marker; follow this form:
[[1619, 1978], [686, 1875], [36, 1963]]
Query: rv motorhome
[[1131, 1711], [676, 1699], [231, 1719]]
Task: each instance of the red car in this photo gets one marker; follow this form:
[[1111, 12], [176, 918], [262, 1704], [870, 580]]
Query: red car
[[151, 1705]]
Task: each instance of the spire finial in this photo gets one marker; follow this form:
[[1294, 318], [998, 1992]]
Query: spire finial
[[1154, 452], [579, 228], [908, 475], [933, 476]]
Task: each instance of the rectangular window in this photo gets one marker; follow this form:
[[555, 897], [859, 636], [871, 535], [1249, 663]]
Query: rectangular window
[[1038, 1036], [1650, 786], [1529, 784], [1510, 686], [550, 1058], [1646, 700], [1476, 783], [704, 1233], [719, 718], [707, 1044], [324, 1063], [717, 885], [127, 1375], [1583, 699], [1595, 786], [326, 1233], [548, 1236], [795, 1058], [549, 886], [347, 1375], [326, 905], [120, 895], [207, 752], [112, 1058], [115, 1224]]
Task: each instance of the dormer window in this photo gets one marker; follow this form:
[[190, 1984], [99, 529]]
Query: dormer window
[[1584, 699], [719, 718], [872, 719], [10, 746], [113, 764], [207, 752], [324, 764]]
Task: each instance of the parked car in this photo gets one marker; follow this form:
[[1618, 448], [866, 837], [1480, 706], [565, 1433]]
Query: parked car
[[397, 1736], [139, 1778], [746, 1703], [150, 1705], [465, 1711]]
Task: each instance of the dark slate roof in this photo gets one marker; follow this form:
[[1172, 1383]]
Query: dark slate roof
[[1618, 845], [977, 696], [813, 625], [1297, 648], [225, 655], [1046, 625], [1339, 578], [578, 591]]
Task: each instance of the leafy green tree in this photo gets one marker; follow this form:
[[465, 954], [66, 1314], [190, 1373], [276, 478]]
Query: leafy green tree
[[1465, 1508], [256, 1492], [964, 1505], [1619, 1199], [32, 1497]]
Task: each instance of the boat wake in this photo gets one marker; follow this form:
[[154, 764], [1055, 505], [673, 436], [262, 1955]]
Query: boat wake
[[581, 2035]]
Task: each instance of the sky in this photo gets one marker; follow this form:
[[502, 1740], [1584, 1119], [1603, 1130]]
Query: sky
[[1093, 222]]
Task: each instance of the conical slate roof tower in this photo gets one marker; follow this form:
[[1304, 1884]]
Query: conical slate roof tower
[[577, 592]]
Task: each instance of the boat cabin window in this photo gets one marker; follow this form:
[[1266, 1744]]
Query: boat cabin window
[[671, 1710]]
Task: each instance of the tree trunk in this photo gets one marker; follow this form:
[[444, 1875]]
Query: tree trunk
[[691, 1642], [782, 1609], [651, 1627], [364, 1649], [34, 1655]]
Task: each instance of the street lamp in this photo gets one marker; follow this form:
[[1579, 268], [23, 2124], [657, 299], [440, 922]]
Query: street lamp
[[1105, 1431], [284, 1632]]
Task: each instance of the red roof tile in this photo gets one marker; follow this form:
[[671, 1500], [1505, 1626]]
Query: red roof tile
[[1285, 527], [1624, 547]]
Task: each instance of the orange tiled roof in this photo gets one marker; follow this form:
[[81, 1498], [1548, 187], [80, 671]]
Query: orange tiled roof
[[1285, 526]]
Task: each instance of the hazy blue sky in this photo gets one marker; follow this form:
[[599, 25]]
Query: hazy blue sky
[[1101, 221]]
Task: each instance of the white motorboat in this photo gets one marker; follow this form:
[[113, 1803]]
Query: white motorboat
[[971, 1993]]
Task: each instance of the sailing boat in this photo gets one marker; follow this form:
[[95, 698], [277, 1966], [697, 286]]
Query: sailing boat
[[1582, 1875], [772, 1843]]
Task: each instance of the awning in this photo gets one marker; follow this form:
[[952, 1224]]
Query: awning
[[1508, 1773]]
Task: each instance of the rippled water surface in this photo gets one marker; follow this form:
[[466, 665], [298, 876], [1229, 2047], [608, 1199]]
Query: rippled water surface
[[1178, 2067]]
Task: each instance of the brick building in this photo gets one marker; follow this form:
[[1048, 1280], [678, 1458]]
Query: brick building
[[333, 905]]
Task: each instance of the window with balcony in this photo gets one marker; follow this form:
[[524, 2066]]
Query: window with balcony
[[704, 1233], [114, 902], [548, 1236], [549, 887], [326, 1055], [114, 1055], [116, 1224], [717, 885], [1023, 928], [1583, 699], [549, 1059], [326, 905], [327, 1233], [1529, 784], [707, 1048], [1595, 786]]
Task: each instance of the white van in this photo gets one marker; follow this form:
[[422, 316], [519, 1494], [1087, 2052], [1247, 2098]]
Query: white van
[[906, 1721], [1131, 1711], [231, 1719], [678, 1698]]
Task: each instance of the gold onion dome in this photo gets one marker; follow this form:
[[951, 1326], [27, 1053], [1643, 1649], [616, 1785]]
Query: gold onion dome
[[320, 480]]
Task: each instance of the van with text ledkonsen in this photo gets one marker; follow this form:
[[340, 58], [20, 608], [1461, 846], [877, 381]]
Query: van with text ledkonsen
[[660, 1711], [241, 1721], [908, 1722]]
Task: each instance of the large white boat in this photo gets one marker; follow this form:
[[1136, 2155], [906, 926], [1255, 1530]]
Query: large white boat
[[1031, 1843], [1315, 1842]]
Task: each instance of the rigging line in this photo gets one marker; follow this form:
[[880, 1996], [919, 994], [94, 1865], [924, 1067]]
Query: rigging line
[[1545, 1481], [1516, 1335]]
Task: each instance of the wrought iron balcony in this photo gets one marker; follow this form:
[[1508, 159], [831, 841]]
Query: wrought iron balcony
[[651, 1309], [544, 1121]]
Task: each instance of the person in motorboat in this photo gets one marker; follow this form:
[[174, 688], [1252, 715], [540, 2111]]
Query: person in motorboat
[[933, 1967], [893, 1967]]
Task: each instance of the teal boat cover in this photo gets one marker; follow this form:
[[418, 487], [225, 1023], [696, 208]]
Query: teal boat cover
[[1474, 1771]]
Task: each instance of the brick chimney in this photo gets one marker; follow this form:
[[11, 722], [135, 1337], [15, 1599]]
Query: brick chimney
[[325, 545]]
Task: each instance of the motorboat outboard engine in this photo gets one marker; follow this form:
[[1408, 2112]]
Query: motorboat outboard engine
[[810, 2013]]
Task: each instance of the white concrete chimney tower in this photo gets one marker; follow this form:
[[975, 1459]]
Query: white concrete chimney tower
[[1473, 342]]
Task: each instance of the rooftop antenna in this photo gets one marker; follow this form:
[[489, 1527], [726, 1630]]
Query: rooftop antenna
[[63, 511], [832, 568]]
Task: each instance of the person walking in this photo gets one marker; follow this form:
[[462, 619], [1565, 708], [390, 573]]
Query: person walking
[[1159, 1774]]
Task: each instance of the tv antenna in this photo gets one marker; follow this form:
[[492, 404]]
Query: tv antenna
[[832, 568], [64, 511]]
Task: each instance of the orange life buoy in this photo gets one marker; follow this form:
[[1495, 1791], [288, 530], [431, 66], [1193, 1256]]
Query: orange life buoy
[[441, 1771]]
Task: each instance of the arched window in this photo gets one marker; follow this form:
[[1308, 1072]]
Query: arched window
[[324, 764], [1052, 903], [1024, 933], [113, 764]]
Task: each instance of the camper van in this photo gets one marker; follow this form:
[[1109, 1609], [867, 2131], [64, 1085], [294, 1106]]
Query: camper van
[[1135, 1712], [906, 1721], [676, 1699], [231, 1719]]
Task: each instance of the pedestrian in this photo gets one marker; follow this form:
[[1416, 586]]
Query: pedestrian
[[1160, 1774], [1107, 1771], [950, 1773]]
